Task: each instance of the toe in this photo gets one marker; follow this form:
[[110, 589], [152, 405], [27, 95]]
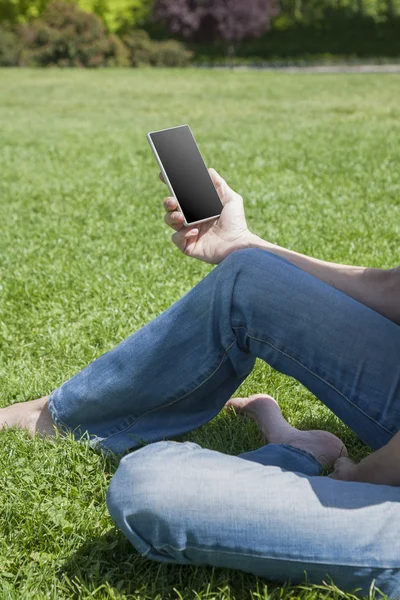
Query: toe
[[236, 403]]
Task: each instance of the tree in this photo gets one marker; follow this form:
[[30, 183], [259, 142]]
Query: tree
[[118, 15], [212, 20], [19, 11], [67, 36]]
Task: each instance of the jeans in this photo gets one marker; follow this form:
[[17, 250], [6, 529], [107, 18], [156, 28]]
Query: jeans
[[267, 512]]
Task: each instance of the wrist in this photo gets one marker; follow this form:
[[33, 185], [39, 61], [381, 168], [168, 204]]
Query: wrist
[[246, 240], [251, 240], [255, 241]]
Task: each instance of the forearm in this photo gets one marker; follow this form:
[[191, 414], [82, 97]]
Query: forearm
[[370, 286], [382, 466]]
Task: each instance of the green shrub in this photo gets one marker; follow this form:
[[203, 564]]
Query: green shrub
[[66, 36], [140, 47], [117, 54], [170, 53], [10, 47], [145, 51]]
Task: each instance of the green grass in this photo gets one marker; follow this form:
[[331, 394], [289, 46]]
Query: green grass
[[86, 259]]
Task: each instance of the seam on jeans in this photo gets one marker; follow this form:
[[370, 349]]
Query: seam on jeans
[[173, 401], [304, 453], [265, 556], [315, 375]]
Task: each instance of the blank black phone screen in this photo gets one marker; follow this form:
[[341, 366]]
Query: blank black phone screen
[[187, 173]]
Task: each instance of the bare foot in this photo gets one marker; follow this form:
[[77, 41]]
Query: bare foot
[[33, 416], [263, 409]]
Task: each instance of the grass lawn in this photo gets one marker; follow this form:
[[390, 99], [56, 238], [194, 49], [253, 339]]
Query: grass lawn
[[86, 259]]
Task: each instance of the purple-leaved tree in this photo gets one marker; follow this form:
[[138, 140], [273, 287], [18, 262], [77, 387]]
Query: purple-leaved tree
[[229, 21]]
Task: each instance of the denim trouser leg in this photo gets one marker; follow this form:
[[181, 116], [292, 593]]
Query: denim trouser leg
[[286, 457], [180, 503], [177, 372]]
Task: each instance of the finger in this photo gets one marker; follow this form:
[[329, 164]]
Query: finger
[[335, 474], [191, 233], [344, 452], [179, 237], [343, 461], [170, 203], [174, 219], [161, 176]]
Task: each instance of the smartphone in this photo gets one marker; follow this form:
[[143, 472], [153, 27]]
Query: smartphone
[[186, 174]]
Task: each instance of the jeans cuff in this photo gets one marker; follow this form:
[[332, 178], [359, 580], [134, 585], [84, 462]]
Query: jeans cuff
[[53, 412], [304, 452]]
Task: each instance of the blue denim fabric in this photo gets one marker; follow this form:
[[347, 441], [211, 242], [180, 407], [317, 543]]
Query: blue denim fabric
[[268, 512]]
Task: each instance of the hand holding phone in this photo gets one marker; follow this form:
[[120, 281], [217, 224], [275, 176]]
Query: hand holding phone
[[213, 239], [185, 173]]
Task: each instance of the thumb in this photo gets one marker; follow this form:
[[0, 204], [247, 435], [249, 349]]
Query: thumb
[[216, 177], [223, 189]]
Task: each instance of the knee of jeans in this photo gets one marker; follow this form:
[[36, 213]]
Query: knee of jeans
[[252, 258], [248, 269], [140, 497], [239, 257]]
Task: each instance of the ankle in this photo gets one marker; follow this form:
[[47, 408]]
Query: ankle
[[281, 432]]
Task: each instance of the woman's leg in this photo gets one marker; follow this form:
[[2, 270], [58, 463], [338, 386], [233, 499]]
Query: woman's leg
[[180, 503], [178, 371]]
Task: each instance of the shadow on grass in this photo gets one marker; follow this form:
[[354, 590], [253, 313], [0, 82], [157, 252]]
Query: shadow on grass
[[109, 562]]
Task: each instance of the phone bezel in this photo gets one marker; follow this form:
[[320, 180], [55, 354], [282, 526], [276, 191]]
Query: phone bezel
[[167, 181]]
